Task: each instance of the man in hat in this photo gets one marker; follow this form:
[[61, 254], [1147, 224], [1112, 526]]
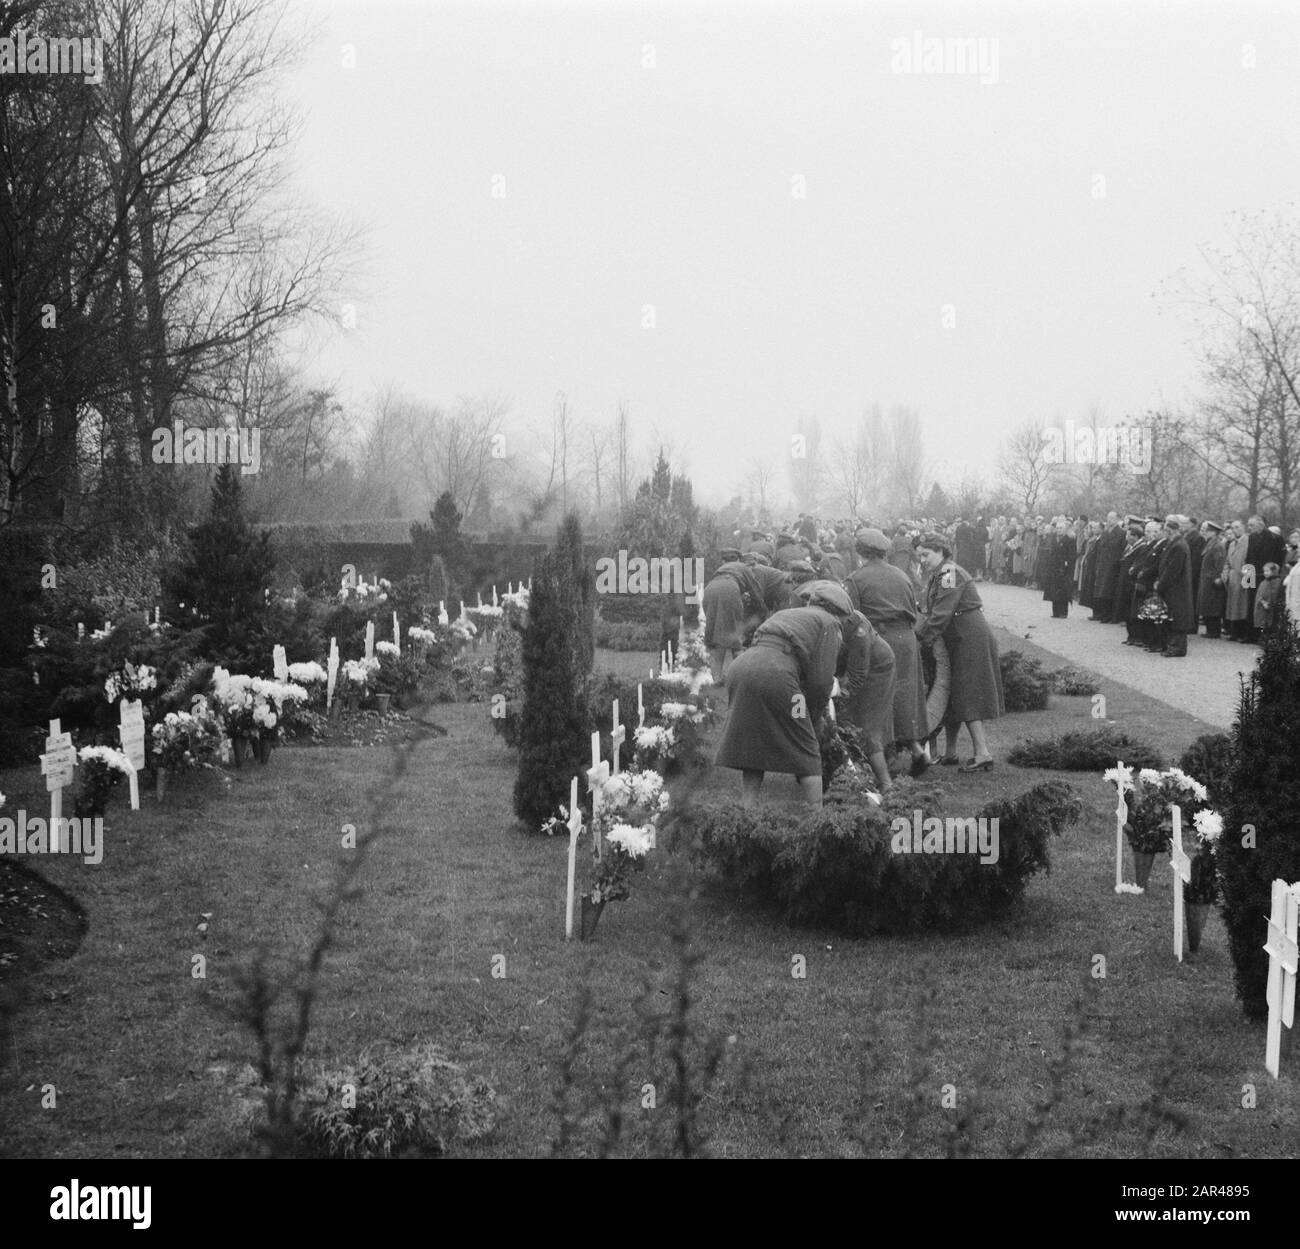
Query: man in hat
[[1211, 596], [801, 571], [1125, 587], [1262, 547], [1174, 585], [789, 549]]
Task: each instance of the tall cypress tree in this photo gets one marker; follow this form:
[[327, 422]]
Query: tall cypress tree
[[554, 730], [1261, 835]]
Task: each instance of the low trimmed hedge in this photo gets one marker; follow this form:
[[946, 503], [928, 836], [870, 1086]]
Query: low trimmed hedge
[[836, 867], [1089, 750]]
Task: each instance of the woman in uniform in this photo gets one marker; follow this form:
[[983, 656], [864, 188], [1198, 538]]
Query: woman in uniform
[[778, 692], [884, 595], [952, 610], [865, 670]]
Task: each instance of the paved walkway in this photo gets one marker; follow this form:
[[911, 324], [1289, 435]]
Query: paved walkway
[[1203, 685]]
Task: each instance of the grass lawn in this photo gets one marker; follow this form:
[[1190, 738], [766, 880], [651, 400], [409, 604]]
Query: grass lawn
[[853, 1058]]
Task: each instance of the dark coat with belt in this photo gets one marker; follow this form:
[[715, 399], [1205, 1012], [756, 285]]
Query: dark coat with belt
[[1057, 563], [1110, 547], [1212, 597], [953, 612], [1174, 584]]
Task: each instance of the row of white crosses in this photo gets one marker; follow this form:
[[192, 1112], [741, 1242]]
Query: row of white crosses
[[597, 775]]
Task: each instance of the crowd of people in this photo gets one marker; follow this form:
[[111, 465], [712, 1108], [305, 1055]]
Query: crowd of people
[[789, 615], [895, 616]]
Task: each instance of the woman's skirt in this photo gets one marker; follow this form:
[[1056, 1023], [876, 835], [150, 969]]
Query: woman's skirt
[[976, 692], [762, 732], [909, 684], [724, 614], [871, 709]]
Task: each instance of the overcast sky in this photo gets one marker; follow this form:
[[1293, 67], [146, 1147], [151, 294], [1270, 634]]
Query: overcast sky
[[666, 176]]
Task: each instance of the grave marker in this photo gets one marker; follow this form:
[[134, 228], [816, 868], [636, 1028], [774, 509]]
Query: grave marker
[[280, 664], [575, 830], [131, 731], [618, 735], [1282, 954], [57, 764], [370, 639], [397, 634], [597, 775], [1182, 867], [1121, 818], [494, 597], [640, 707], [332, 671]]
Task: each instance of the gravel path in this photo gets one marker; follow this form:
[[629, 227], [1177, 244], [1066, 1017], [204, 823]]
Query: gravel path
[[1204, 684]]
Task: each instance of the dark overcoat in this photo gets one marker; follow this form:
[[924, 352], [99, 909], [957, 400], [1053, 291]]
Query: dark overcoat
[[1110, 546], [1174, 584], [1057, 563], [1212, 596]]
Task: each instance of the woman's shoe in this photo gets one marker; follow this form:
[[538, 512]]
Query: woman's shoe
[[985, 765], [949, 760]]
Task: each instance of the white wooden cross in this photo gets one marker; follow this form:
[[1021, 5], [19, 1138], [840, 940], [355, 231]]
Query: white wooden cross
[[670, 655], [480, 597], [597, 775], [575, 831], [1121, 818], [640, 707], [333, 673], [397, 634], [494, 597], [131, 731], [1282, 953], [618, 735], [370, 639], [663, 663], [280, 664], [1182, 866], [57, 764]]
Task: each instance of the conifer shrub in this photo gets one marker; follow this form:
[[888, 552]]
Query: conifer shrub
[[1025, 686], [1264, 794], [1210, 760], [1073, 682], [555, 724], [841, 867], [1087, 750]]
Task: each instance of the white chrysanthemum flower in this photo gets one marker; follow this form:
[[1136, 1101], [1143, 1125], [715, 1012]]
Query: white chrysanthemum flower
[[1127, 888], [1149, 776], [1119, 775], [108, 757], [308, 673], [388, 648], [636, 842], [1209, 825]]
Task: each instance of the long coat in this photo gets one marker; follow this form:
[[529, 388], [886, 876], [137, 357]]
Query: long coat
[[884, 595], [778, 690], [1110, 546], [1238, 604], [1212, 597], [1127, 598], [866, 672], [1088, 571], [954, 612], [1059, 554], [1174, 584]]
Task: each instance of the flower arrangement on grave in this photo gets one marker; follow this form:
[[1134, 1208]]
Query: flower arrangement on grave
[[131, 682], [398, 673], [102, 770], [652, 745], [187, 739], [1150, 825], [463, 629], [365, 596], [628, 818], [255, 707], [1204, 884], [355, 677]]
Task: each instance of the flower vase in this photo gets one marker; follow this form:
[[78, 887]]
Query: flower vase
[[590, 915], [237, 751], [1142, 861], [1197, 913], [381, 703], [160, 789], [264, 743]]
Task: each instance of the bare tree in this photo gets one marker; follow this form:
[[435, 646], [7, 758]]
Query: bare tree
[[1024, 465], [907, 456]]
